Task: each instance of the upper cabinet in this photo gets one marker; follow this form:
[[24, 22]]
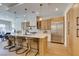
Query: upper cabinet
[[46, 24], [57, 19], [49, 24], [38, 24], [43, 24]]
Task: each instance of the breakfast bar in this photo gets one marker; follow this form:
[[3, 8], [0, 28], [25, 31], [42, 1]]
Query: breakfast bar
[[42, 40]]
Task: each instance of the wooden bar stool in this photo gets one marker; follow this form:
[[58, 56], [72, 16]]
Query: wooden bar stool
[[24, 47], [18, 45], [11, 42], [32, 48]]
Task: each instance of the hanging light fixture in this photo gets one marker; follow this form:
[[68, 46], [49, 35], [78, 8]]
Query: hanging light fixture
[[15, 15], [13, 26], [40, 8], [40, 17], [25, 14]]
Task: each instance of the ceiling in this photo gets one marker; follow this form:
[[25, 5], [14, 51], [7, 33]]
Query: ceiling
[[47, 9]]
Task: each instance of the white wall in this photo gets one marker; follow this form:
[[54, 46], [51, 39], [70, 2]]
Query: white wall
[[32, 19], [17, 23]]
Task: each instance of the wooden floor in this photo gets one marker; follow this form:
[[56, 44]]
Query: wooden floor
[[53, 50]]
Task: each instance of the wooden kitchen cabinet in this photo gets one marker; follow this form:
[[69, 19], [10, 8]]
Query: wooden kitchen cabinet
[[38, 24], [57, 19], [49, 24], [44, 25], [72, 39]]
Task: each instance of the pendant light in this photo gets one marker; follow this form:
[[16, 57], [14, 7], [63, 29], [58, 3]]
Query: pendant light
[[15, 14], [14, 27], [25, 14], [40, 17]]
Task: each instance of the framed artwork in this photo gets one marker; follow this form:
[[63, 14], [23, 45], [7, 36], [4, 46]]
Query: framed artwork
[[77, 20], [77, 32]]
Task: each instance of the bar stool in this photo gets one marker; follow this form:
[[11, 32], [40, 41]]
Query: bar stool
[[24, 47], [18, 44], [1, 37], [31, 48], [36, 40], [11, 42]]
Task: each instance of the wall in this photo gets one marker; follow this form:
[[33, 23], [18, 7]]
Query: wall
[[5, 15], [70, 30], [73, 40], [17, 23]]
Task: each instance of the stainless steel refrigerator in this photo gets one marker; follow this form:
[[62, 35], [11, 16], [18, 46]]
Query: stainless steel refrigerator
[[57, 32]]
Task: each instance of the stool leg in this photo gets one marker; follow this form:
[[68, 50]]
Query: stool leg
[[34, 48], [14, 44], [29, 47], [9, 44], [23, 51], [37, 48], [17, 45]]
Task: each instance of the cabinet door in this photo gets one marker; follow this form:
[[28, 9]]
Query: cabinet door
[[44, 25], [48, 24], [38, 24]]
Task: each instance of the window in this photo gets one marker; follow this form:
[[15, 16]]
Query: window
[[2, 29]]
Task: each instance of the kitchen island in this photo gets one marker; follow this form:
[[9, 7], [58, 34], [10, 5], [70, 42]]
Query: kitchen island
[[42, 40]]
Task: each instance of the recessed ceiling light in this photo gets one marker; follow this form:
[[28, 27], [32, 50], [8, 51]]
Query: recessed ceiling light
[[56, 9], [0, 4]]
